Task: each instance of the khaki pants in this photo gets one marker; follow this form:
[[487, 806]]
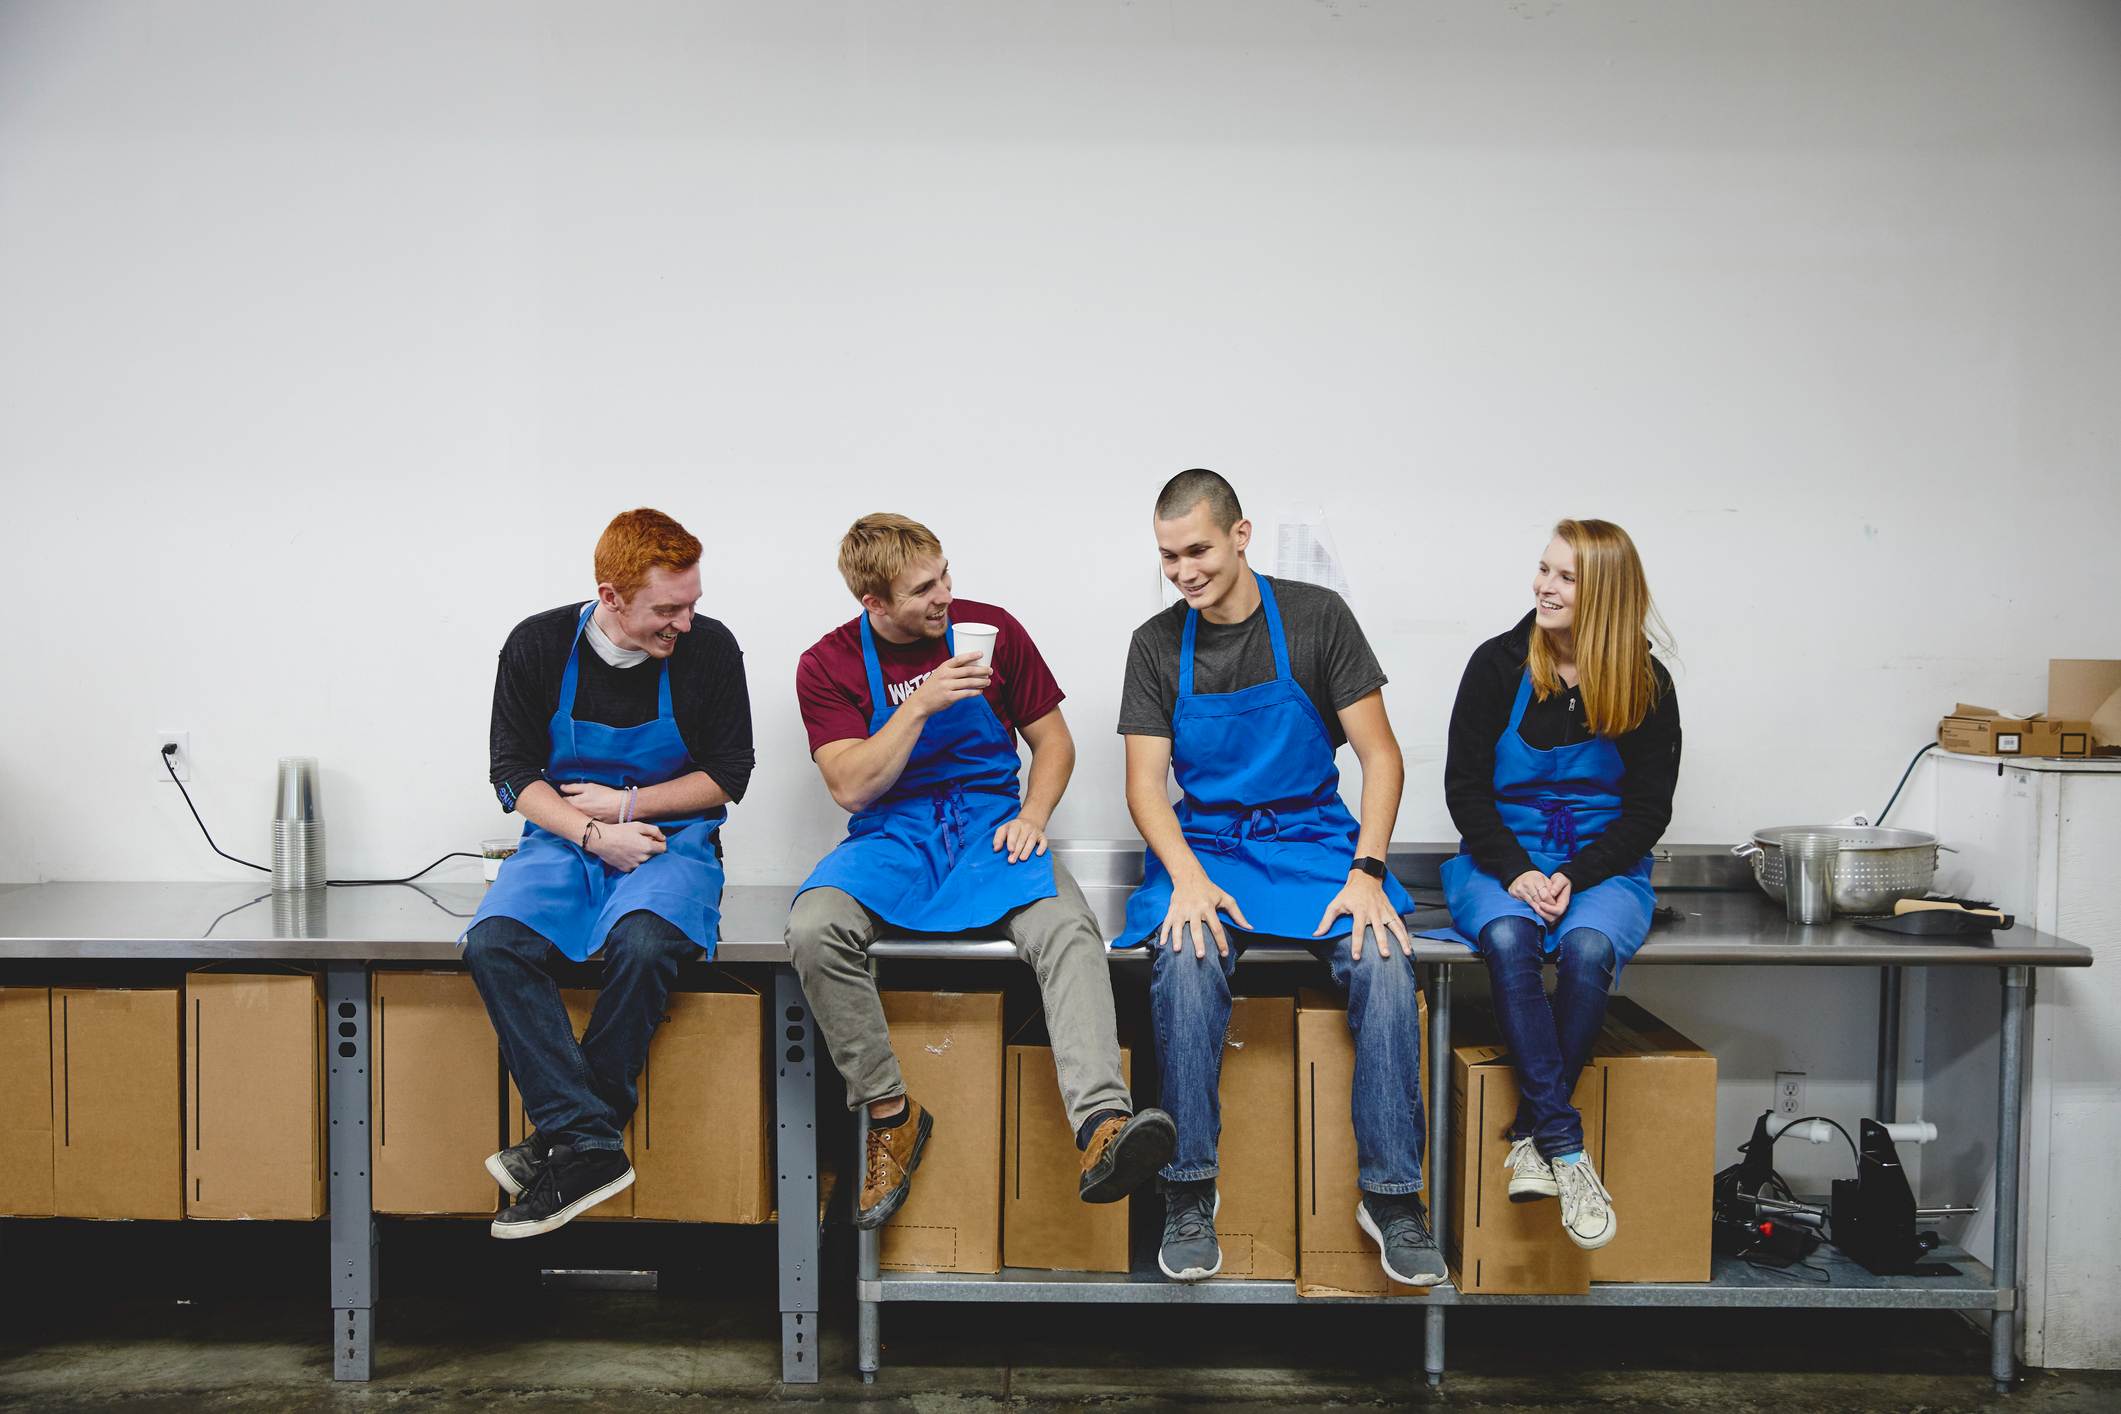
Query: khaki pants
[[829, 933]]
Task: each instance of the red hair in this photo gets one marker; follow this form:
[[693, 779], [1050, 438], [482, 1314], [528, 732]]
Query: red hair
[[639, 541]]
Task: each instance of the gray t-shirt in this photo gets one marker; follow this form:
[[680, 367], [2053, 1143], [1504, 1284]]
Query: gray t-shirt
[[1328, 654]]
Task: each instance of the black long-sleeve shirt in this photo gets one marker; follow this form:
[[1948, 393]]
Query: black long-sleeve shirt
[[708, 697], [1649, 756]]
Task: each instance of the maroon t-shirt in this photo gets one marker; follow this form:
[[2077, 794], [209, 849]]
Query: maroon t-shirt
[[833, 687]]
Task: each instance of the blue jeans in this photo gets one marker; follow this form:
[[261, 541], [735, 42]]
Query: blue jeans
[[579, 1094], [1190, 1000], [1549, 1041]]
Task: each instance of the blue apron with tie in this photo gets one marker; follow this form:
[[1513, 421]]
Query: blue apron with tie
[[1261, 807], [573, 898], [1554, 802], [921, 857]]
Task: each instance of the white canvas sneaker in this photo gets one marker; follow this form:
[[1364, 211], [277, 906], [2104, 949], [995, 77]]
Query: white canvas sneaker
[[1531, 1176], [1586, 1208]]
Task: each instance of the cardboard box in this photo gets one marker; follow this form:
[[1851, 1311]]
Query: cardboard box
[[1648, 1101], [1658, 1158], [254, 1077], [435, 1095], [27, 1058], [1257, 1150], [1495, 1245], [120, 1103], [1983, 731], [702, 1147], [1045, 1222], [2088, 689], [949, 1047], [1334, 1257], [580, 1001]]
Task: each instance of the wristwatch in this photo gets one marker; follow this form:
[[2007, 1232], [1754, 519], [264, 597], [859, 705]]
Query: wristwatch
[[1375, 868]]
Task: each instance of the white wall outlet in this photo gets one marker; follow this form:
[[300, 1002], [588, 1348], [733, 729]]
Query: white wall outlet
[[1789, 1093], [179, 760]]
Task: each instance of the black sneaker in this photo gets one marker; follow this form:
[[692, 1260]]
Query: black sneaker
[[1406, 1249], [515, 1166], [568, 1186]]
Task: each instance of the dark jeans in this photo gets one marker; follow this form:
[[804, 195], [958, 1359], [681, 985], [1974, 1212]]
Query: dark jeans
[[1190, 999], [1549, 1041], [576, 1093]]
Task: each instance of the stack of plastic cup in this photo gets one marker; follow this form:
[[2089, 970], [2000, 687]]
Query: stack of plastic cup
[[298, 827], [1808, 859]]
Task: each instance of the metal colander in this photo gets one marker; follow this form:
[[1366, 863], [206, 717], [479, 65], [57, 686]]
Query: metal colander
[[1875, 868]]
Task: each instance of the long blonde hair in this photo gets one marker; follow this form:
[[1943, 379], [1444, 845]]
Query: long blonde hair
[[1614, 616]]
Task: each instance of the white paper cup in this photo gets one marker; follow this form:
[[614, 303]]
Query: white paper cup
[[975, 638]]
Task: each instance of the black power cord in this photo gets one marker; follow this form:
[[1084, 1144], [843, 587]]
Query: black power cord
[[1879, 818], [169, 749]]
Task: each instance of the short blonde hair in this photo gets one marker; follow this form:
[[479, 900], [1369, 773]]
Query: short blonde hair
[[878, 547]]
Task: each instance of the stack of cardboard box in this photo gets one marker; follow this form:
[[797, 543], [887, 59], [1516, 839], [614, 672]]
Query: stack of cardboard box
[[698, 1142], [1335, 1258], [2083, 717], [949, 1047], [1648, 1101], [93, 1111]]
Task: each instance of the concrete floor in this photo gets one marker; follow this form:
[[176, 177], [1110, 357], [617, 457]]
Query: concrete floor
[[149, 1317]]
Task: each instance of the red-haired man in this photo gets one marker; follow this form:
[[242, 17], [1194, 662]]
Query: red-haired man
[[621, 733]]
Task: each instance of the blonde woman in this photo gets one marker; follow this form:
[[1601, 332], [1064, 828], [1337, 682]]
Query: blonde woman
[[1564, 751]]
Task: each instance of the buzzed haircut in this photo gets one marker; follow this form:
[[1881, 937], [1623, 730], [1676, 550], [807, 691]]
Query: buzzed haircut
[[1191, 487]]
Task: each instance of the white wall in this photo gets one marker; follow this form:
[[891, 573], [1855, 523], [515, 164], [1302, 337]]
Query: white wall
[[330, 337]]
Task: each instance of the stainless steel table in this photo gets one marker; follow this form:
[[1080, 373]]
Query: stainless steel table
[[1722, 921], [1729, 925], [347, 931]]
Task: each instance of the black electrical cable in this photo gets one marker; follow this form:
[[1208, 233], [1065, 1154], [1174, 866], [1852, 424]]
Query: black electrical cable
[[171, 750], [362, 883], [167, 765], [1879, 818], [1854, 1153]]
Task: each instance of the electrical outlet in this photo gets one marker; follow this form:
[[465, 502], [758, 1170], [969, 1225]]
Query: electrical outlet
[[1789, 1093], [179, 760]]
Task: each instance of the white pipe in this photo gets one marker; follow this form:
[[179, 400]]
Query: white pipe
[[1818, 1131]]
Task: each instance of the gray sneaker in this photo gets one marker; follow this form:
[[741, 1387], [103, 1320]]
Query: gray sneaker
[[1405, 1246], [515, 1166], [1190, 1251]]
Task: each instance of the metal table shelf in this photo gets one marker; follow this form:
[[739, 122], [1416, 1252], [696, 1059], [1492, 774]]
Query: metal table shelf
[[1726, 926], [1733, 1283], [349, 932]]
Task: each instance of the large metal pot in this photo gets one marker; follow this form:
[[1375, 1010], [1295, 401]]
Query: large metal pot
[[1875, 869]]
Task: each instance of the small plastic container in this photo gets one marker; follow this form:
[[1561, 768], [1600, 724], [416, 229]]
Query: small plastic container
[[493, 852]]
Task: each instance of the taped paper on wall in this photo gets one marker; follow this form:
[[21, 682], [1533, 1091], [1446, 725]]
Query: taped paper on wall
[[1304, 549]]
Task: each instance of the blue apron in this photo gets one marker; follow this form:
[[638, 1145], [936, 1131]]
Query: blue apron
[[572, 897], [1262, 808], [921, 857], [1554, 802]]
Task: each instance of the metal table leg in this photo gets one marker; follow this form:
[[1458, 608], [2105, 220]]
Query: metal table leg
[[795, 1156], [1439, 1148], [353, 1219], [2010, 1119], [1885, 1102]]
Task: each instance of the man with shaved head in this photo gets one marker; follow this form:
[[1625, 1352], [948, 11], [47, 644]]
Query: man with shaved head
[[1245, 693]]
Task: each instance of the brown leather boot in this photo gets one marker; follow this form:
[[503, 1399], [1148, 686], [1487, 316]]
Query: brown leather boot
[[1124, 1152], [888, 1162]]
